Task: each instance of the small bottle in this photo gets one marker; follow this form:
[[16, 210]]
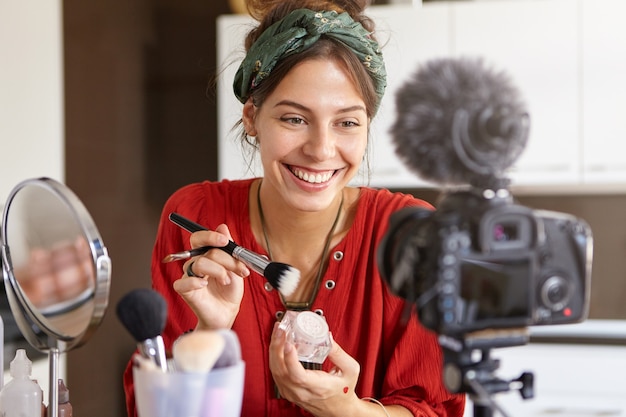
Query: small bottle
[[44, 409], [65, 408], [21, 396]]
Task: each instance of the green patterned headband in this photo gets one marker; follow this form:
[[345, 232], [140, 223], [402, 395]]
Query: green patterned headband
[[297, 32]]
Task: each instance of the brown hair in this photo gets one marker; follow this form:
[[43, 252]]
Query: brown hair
[[270, 11]]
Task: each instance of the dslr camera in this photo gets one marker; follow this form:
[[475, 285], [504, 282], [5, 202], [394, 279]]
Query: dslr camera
[[481, 261]]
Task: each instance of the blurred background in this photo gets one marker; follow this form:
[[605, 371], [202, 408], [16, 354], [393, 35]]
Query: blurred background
[[138, 118]]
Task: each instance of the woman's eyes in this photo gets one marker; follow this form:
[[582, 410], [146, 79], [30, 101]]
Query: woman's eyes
[[299, 121], [349, 123], [293, 120]]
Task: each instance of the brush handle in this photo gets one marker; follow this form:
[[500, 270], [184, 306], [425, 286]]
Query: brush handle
[[154, 349], [253, 260], [185, 223]]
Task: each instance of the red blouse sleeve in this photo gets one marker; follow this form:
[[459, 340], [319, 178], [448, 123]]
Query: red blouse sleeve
[[413, 376]]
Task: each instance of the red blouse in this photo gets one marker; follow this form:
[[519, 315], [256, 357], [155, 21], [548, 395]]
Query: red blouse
[[400, 364]]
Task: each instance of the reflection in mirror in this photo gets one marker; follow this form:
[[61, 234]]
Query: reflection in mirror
[[51, 259], [56, 270], [59, 283]]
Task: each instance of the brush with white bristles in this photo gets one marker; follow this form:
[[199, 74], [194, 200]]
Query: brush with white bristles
[[197, 351], [282, 276]]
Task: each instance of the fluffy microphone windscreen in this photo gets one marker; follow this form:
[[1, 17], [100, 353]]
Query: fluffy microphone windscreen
[[459, 121], [143, 312]]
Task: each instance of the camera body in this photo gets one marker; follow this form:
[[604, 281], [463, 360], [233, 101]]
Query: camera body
[[480, 261]]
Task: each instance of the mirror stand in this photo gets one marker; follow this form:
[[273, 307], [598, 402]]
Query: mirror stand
[[53, 371], [56, 271]]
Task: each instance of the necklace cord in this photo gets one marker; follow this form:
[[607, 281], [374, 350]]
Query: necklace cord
[[302, 305]]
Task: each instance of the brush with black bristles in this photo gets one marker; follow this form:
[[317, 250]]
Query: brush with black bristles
[[143, 312], [282, 276]]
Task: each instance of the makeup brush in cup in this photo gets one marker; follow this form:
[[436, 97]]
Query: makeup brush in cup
[[282, 276], [198, 351], [143, 312], [231, 355]]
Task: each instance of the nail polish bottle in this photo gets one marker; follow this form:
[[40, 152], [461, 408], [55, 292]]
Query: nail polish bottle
[[65, 408]]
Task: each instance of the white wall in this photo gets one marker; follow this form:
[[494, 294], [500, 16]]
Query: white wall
[[31, 104], [31, 92], [566, 57]]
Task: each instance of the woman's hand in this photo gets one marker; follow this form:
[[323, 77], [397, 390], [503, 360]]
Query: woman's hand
[[321, 393], [215, 292]]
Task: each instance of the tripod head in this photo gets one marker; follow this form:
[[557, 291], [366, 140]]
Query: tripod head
[[469, 367]]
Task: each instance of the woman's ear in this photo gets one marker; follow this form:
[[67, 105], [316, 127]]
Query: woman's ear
[[248, 117]]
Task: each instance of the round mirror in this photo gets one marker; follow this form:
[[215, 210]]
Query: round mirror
[[56, 268]]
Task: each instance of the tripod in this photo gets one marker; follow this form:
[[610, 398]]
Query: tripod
[[465, 372]]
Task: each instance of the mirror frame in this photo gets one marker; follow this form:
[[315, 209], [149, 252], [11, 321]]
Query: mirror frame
[[35, 329]]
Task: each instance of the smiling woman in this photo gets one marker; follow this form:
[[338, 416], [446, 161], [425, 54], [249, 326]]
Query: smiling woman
[[311, 145], [310, 84]]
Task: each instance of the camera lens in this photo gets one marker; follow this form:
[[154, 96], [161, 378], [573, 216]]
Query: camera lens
[[555, 293]]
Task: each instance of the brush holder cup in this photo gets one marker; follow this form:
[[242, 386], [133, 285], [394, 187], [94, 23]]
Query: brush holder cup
[[218, 393]]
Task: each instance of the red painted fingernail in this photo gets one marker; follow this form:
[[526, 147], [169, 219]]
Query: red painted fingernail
[[345, 390]]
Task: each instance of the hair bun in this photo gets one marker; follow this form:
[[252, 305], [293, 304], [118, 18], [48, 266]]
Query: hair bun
[[259, 9]]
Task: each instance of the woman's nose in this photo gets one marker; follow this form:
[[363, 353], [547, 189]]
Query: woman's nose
[[320, 144]]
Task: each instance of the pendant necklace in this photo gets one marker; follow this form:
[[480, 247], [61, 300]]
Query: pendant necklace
[[301, 305]]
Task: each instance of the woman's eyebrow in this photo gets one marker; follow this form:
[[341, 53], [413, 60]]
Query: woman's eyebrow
[[300, 106]]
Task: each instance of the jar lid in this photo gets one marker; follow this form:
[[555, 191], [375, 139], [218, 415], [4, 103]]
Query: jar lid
[[311, 327]]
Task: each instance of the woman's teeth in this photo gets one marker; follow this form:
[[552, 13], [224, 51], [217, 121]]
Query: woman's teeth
[[313, 178]]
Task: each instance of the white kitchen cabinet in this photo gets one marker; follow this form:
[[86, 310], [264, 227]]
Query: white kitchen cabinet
[[409, 36], [231, 30], [32, 140], [604, 91], [31, 92], [536, 43], [567, 57]]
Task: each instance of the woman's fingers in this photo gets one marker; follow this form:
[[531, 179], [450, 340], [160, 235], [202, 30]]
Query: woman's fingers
[[344, 363], [186, 284], [222, 261], [218, 237]]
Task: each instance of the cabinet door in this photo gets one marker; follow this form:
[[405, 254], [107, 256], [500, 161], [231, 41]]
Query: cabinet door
[[231, 30], [31, 92], [536, 42], [409, 36], [604, 91]]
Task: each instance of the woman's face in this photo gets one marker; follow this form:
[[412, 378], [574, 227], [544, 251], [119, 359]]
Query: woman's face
[[312, 134]]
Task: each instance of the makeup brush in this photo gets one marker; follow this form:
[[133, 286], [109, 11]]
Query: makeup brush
[[143, 312], [282, 276], [197, 351], [231, 355]]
